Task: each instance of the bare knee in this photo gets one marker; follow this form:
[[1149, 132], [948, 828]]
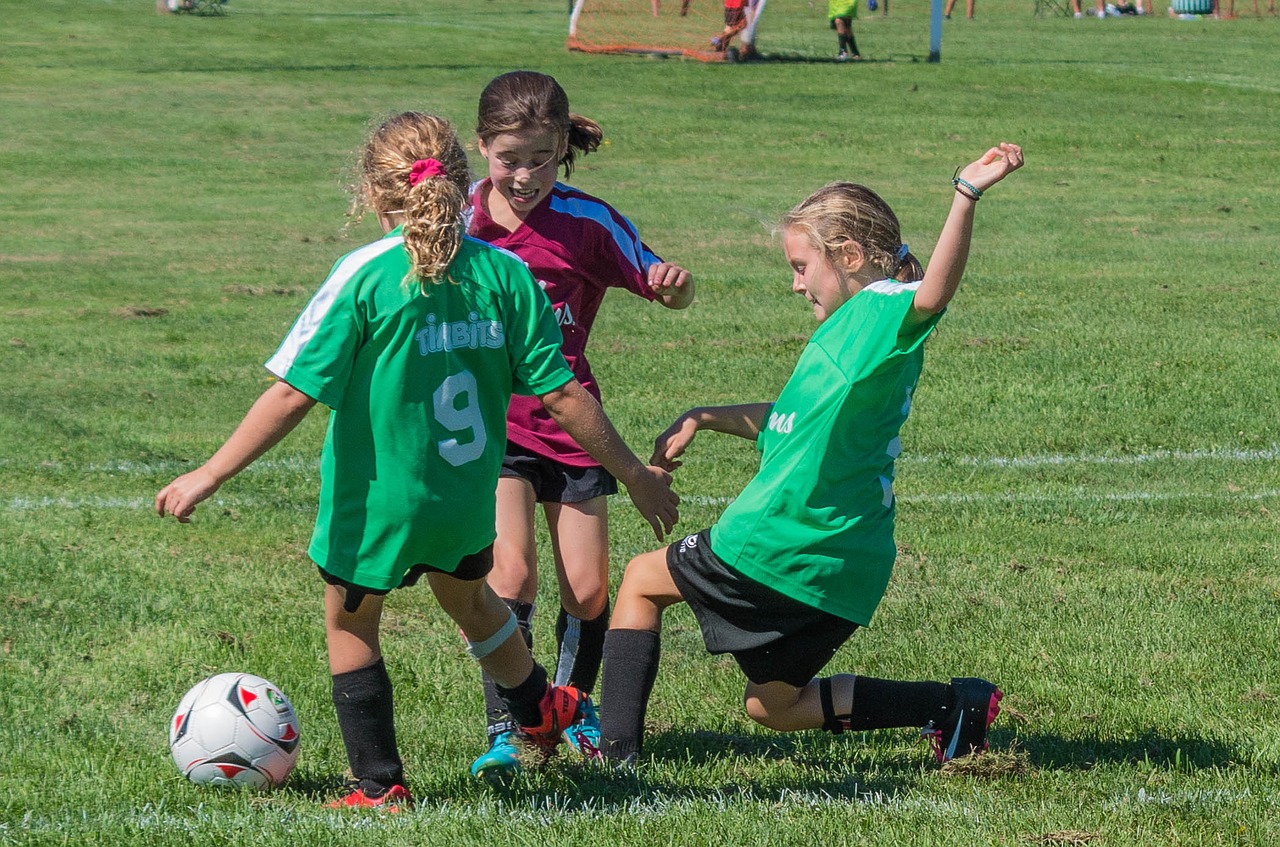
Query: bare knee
[[777, 706], [513, 557], [515, 550], [647, 589], [469, 613], [585, 598], [515, 570], [471, 604], [759, 713], [771, 718]]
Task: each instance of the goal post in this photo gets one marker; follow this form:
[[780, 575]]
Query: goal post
[[796, 30], [753, 18], [689, 28]]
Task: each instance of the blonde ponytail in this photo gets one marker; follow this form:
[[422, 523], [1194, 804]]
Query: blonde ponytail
[[844, 212], [433, 227], [432, 200]]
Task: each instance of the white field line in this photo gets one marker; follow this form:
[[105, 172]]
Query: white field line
[[1266, 454], [268, 463], [1217, 80], [1074, 495], [1078, 496], [199, 820]]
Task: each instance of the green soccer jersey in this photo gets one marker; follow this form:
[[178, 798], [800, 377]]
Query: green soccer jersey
[[816, 521], [419, 383]]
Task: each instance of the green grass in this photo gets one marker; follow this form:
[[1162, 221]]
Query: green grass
[[1088, 494]]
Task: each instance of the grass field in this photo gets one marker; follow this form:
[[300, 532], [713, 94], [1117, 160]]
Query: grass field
[[1088, 497]]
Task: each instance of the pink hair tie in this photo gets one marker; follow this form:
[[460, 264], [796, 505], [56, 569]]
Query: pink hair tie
[[425, 169]]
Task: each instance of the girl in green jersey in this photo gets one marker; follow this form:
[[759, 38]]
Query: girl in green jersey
[[802, 557], [416, 342]]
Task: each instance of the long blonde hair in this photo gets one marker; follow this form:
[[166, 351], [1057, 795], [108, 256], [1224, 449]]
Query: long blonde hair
[[844, 212], [433, 208]]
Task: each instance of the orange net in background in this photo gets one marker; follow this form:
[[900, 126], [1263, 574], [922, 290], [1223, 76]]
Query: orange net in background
[[666, 27]]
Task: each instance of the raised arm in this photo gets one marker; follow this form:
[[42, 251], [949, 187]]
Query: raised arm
[[744, 421], [649, 488], [273, 416], [946, 265]]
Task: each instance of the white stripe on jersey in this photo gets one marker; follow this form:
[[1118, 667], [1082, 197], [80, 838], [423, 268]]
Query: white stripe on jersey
[[626, 237], [891, 286], [504, 251], [304, 328]]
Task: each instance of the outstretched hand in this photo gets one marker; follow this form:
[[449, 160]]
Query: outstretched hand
[[993, 166], [671, 444], [652, 496], [180, 497]]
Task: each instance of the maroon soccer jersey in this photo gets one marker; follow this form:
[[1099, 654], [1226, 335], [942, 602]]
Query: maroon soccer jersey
[[578, 247]]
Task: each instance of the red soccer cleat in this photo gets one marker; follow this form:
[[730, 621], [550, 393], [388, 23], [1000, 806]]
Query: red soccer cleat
[[561, 706], [395, 799]]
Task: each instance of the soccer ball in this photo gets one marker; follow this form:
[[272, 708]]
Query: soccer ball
[[234, 729]]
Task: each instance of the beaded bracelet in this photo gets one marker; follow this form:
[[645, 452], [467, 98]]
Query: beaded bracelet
[[973, 192]]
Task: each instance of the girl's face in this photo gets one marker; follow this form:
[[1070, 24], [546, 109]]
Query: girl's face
[[823, 284], [523, 165]]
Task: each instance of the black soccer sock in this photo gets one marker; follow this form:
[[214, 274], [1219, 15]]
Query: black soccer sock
[[581, 645], [497, 719], [362, 699], [885, 703], [853, 44], [524, 702], [630, 668]]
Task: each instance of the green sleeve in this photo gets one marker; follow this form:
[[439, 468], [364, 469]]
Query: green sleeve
[[318, 355], [534, 338]]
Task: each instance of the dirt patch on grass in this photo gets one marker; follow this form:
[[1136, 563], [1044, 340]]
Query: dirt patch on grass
[[264, 290], [140, 312]]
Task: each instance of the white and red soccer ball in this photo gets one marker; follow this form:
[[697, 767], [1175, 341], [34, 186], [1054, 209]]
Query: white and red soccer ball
[[234, 729]]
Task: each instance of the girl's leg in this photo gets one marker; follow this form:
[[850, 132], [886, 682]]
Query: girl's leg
[[362, 695], [647, 589], [580, 541], [631, 651], [845, 37], [853, 703], [856, 703], [514, 578], [494, 640], [842, 37], [480, 614], [515, 552], [786, 708]]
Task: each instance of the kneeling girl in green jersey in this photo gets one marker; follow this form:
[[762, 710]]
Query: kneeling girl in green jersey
[[802, 557], [416, 342]]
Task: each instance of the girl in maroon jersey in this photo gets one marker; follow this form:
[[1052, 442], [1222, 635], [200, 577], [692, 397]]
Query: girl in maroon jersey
[[578, 247]]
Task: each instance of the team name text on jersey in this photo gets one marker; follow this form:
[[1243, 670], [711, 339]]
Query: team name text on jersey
[[475, 333]]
